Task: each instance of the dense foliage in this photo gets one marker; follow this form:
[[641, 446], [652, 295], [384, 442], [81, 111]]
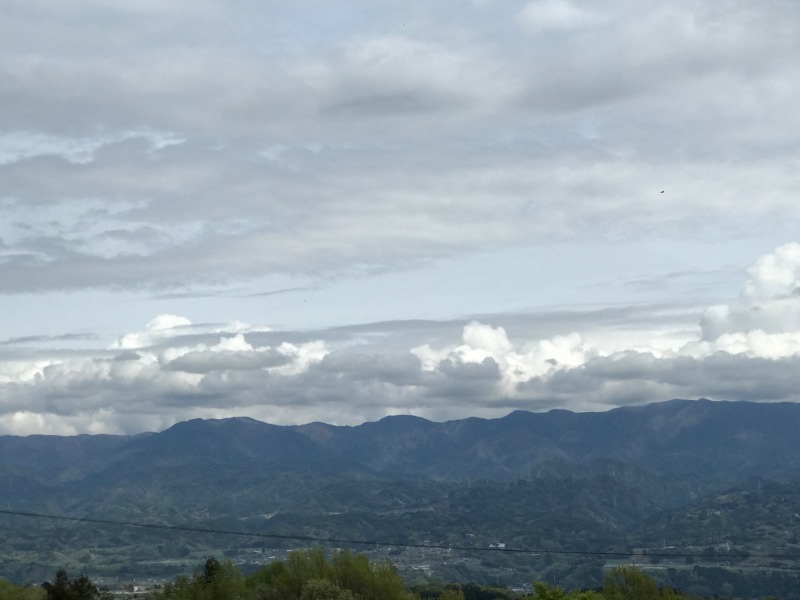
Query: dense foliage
[[304, 575], [344, 575], [64, 588], [10, 591], [311, 575]]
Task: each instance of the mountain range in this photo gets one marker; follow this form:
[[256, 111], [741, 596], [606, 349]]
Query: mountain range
[[716, 484]]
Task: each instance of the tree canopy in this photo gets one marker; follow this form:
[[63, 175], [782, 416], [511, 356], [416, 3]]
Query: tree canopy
[[64, 588], [10, 591], [304, 575], [344, 575]]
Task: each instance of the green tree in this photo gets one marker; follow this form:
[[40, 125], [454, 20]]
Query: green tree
[[304, 575], [629, 583], [262, 582], [10, 591], [83, 589], [59, 588], [63, 588], [309, 575], [218, 581], [542, 591], [180, 589], [452, 594], [324, 589], [224, 582]]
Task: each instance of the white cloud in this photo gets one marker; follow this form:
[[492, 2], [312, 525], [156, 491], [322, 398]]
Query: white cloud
[[556, 15], [769, 303], [236, 343], [176, 369], [160, 328], [754, 343], [775, 276], [302, 356], [146, 154], [764, 326], [166, 368], [482, 342], [30, 423]]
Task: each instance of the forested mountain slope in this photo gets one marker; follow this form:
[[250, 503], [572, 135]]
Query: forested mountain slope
[[692, 475]]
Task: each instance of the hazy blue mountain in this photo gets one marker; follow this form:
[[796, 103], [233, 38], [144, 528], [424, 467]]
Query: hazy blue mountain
[[60, 458], [722, 440], [699, 441], [692, 473]]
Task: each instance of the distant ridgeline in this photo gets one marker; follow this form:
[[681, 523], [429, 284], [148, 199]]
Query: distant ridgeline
[[703, 495]]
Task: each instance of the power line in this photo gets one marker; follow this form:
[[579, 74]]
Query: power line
[[355, 542]]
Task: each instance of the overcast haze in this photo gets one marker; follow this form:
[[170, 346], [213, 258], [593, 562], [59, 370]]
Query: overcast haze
[[336, 211]]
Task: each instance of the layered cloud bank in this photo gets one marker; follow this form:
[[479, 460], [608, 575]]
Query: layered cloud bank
[[149, 147], [354, 178], [174, 369]]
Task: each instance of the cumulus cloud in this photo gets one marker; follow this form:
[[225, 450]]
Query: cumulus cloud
[[161, 327], [766, 319], [167, 369], [747, 350], [486, 345], [175, 369], [154, 153]]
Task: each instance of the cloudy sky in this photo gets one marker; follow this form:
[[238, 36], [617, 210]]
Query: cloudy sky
[[336, 211]]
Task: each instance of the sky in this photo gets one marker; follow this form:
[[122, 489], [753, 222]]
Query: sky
[[337, 211]]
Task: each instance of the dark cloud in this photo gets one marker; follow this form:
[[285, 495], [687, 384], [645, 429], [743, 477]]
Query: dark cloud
[[204, 362], [352, 383], [147, 151], [39, 339], [399, 369], [487, 370]]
